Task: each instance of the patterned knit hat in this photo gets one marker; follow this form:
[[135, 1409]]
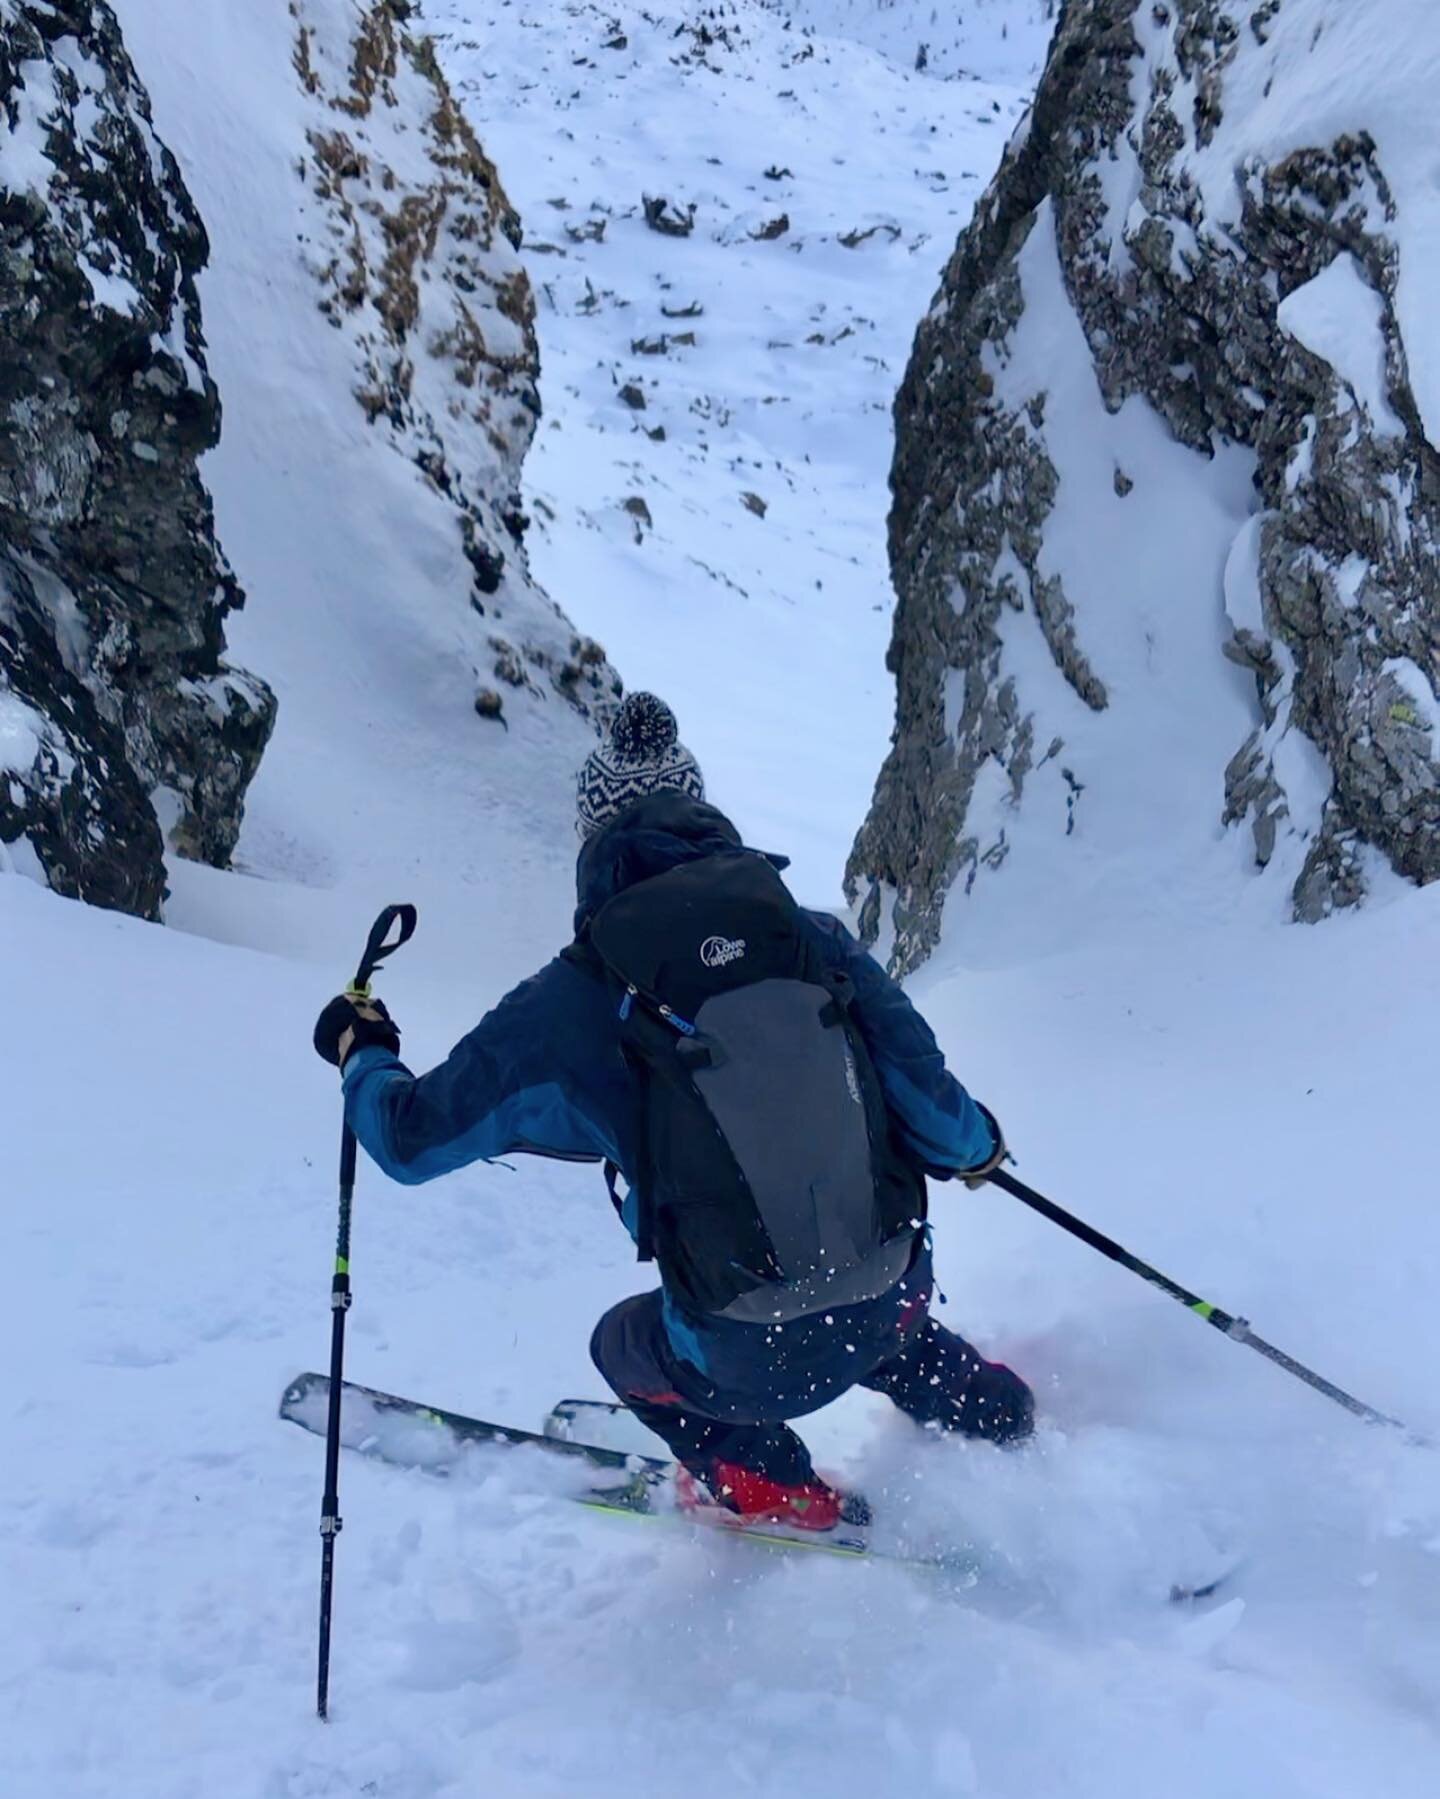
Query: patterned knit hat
[[643, 756]]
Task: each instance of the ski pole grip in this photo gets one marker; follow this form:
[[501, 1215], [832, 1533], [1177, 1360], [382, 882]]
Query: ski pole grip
[[401, 920]]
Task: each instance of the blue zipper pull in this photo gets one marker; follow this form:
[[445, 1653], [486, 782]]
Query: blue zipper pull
[[674, 1018], [627, 1004]]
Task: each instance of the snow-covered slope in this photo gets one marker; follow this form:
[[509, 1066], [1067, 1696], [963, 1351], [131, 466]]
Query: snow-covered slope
[[964, 40], [1234, 1115], [1248, 1107], [368, 326], [709, 482]]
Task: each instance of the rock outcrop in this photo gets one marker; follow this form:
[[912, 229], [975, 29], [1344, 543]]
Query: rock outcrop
[[415, 249], [1222, 210], [118, 714]]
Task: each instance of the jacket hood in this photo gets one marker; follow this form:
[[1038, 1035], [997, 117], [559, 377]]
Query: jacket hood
[[655, 834]]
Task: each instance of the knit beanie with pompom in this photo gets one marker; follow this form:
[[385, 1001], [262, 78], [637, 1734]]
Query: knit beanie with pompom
[[643, 755]]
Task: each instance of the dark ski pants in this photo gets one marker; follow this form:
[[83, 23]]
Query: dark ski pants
[[735, 1409]]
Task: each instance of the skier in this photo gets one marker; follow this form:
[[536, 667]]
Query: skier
[[774, 1104]]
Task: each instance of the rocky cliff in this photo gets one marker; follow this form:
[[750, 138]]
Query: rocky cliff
[[118, 715], [1166, 488], [415, 249]]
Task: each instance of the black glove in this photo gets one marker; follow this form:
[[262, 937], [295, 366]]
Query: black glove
[[350, 1022], [977, 1177]]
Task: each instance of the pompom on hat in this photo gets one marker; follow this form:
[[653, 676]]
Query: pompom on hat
[[643, 755]]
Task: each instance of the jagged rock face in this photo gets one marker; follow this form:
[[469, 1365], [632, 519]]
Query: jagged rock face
[[114, 698], [1231, 235], [416, 252]]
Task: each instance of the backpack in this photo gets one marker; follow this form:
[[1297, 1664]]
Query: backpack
[[769, 1186]]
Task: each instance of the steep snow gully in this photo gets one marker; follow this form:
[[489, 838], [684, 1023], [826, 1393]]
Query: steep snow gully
[[1246, 1102]]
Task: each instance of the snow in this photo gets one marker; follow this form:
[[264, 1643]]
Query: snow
[[1140, 837], [1350, 579], [1247, 1104], [1244, 606], [21, 858], [1340, 317], [159, 1545], [984, 40], [22, 732], [1143, 571], [786, 392], [1305, 776], [1332, 69], [24, 166], [112, 291], [359, 611]]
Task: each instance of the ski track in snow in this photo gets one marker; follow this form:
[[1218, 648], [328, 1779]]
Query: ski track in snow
[[1246, 1104]]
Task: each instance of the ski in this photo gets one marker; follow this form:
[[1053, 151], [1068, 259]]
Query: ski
[[427, 1436], [603, 1422], [408, 1434]]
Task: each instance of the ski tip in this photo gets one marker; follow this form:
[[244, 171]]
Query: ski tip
[[297, 1390]]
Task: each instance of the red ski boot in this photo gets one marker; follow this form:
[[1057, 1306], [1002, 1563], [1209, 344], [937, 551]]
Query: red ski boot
[[750, 1497]]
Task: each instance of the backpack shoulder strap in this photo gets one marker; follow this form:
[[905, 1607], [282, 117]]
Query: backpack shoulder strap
[[583, 955]]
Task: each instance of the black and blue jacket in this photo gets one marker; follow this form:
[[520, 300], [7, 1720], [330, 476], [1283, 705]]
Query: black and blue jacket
[[544, 1072]]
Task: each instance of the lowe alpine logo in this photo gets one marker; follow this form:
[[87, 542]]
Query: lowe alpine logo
[[716, 952]]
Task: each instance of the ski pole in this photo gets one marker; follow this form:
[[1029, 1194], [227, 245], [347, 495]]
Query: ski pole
[[376, 950], [1237, 1329]]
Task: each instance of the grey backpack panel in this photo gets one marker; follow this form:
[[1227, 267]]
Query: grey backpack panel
[[783, 1087], [842, 1287]]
